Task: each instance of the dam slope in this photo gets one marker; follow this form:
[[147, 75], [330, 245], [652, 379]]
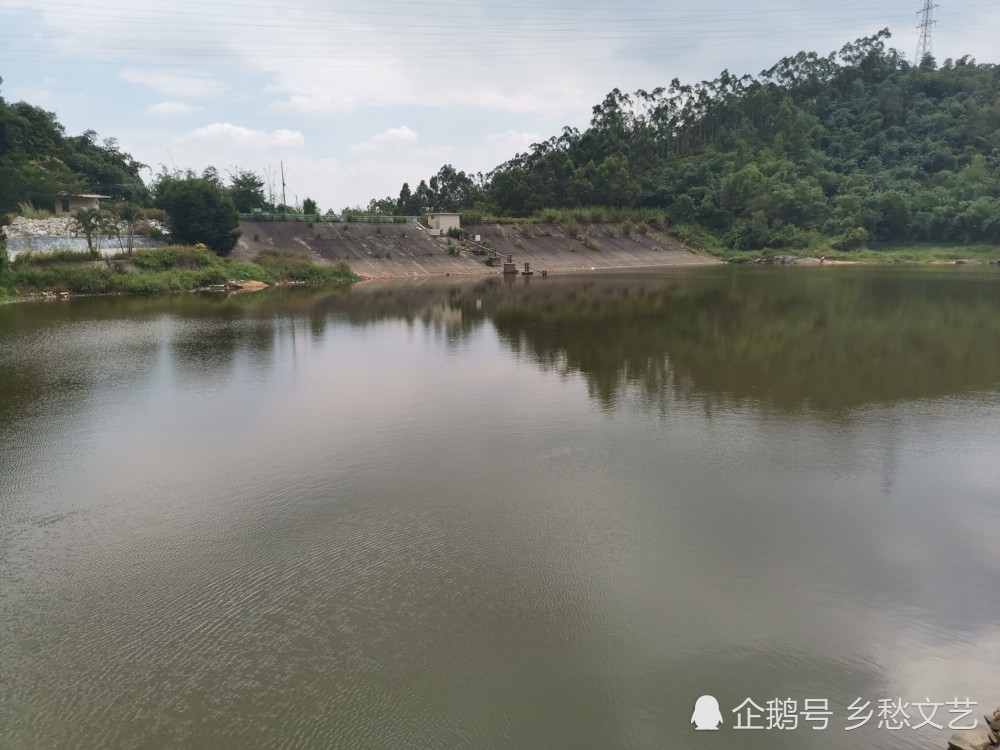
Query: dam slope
[[394, 250]]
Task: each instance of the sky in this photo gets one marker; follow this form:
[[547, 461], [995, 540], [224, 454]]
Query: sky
[[353, 99]]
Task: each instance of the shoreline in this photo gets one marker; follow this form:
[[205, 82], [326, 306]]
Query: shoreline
[[241, 288], [803, 262], [175, 269]]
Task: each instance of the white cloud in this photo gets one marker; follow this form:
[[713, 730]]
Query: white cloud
[[171, 108], [396, 84], [514, 141], [44, 97], [237, 135], [312, 104], [391, 138], [288, 138], [175, 83]]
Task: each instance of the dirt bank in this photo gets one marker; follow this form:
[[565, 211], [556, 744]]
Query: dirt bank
[[400, 250]]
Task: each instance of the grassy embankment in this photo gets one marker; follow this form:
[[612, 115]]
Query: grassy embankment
[[167, 269], [576, 222]]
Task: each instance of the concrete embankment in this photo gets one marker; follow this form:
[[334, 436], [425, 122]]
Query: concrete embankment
[[58, 233], [394, 250]]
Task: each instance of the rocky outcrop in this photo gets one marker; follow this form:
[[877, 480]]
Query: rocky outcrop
[[55, 226], [58, 233], [246, 286], [983, 737], [66, 226]]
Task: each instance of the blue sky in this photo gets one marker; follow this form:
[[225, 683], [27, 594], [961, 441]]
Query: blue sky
[[356, 98]]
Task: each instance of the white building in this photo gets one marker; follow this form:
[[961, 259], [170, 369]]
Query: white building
[[67, 204], [440, 223]]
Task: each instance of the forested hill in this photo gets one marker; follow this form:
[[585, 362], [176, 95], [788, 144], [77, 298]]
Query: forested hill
[[853, 146], [38, 161]]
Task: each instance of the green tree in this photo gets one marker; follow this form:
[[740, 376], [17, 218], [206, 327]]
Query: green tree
[[405, 204], [198, 210], [246, 188], [93, 222], [384, 206], [105, 168], [36, 181], [309, 207], [125, 220]]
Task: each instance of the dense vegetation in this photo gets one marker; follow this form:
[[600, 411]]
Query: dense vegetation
[[199, 209], [38, 161], [856, 146], [165, 269]]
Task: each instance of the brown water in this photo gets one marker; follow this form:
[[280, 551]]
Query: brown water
[[490, 515]]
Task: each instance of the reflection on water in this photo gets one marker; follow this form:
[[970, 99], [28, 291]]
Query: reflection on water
[[493, 514]]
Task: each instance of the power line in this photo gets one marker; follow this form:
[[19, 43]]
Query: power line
[[926, 22]]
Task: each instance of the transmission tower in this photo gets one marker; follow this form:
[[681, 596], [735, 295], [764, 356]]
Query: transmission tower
[[926, 22]]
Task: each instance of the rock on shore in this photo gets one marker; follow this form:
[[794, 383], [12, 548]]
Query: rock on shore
[[984, 737]]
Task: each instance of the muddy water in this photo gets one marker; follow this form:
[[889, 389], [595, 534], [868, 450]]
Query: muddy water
[[489, 515]]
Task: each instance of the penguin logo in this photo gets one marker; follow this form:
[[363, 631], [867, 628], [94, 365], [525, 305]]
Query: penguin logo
[[706, 715]]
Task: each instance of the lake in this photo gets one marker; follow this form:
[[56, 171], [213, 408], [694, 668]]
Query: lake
[[543, 513]]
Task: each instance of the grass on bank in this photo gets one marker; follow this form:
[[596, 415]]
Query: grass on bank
[[6, 290], [655, 218], [637, 221], [910, 253], [167, 269]]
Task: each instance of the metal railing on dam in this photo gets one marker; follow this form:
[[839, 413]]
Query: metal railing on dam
[[330, 218]]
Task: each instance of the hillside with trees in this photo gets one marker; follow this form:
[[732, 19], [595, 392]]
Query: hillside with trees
[[858, 147], [855, 147], [39, 161]]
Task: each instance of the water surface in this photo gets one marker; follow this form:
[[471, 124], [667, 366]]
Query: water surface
[[500, 515]]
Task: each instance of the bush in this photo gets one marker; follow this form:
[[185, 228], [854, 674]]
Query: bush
[[51, 258], [28, 211], [242, 269], [852, 239], [572, 228], [169, 269], [156, 214], [200, 211], [179, 256], [289, 266]]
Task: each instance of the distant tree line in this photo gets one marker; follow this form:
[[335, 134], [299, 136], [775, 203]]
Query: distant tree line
[[855, 146], [448, 190], [39, 163]]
